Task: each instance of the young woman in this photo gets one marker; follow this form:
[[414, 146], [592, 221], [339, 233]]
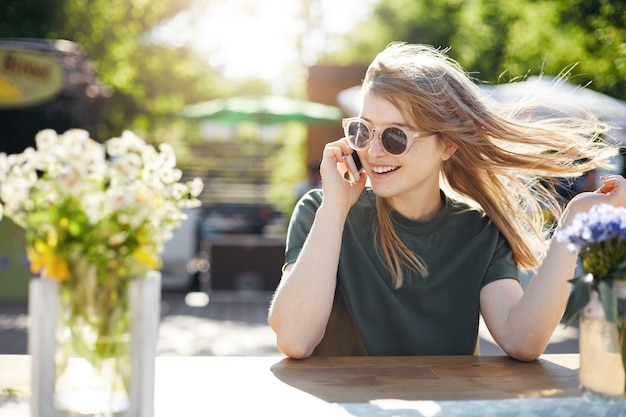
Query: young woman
[[455, 205]]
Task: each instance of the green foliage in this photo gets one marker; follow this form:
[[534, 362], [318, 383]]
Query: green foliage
[[578, 299], [289, 167], [609, 300], [581, 294], [12, 393], [605, 259], [29, 18], [500, 40]]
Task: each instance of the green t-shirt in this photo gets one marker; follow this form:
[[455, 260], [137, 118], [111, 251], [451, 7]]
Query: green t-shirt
[[436, 315]]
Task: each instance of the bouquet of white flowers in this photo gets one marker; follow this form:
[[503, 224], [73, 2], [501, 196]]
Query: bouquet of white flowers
[[105, 203]]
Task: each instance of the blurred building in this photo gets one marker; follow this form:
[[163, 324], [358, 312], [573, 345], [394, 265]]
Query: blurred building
[[324, 83]]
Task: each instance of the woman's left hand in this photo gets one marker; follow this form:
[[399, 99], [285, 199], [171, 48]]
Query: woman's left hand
[[613, 184], [612, 191]]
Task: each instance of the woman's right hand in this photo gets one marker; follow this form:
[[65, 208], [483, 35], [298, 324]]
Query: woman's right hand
[[303, 301], [338, 190]]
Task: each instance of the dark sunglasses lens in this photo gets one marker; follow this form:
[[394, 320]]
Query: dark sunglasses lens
[[394, 140], [358, 134]]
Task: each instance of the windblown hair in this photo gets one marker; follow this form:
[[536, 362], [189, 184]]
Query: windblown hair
[[505, 158]]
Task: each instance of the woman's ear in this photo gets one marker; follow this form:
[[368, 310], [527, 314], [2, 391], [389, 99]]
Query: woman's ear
[[449, 149]]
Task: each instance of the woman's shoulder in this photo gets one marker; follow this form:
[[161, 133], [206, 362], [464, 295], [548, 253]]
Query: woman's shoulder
[[461, 207], [312, 197]]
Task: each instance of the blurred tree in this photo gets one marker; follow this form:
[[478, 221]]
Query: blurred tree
[[499, 40], [29, 18], [150, 82], [599, 29], [432, 22], [290, 167]]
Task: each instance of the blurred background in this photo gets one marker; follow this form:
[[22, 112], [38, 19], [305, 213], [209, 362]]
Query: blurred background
[[248, 92]]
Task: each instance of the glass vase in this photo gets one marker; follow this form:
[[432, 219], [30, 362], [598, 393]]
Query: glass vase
[[602, 348], [93, 345], [92, 354]]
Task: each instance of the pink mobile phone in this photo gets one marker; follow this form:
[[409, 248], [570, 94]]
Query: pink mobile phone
[[353, 163]]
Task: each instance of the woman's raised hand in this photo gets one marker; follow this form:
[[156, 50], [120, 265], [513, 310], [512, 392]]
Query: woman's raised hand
[[337, 189]]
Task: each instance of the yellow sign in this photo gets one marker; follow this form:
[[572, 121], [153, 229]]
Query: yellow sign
[[28, 78]]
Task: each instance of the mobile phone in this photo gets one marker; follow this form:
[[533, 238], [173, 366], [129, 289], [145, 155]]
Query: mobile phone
[[353, 163]]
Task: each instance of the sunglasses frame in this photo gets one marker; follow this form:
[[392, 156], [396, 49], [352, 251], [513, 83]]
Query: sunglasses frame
[[414, 134]]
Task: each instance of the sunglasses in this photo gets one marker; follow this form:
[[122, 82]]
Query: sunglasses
[[395, 140]]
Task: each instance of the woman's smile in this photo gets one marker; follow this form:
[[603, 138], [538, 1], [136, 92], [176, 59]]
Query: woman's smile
[[383, 169]]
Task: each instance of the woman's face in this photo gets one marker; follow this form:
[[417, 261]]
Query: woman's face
[[411, 177]]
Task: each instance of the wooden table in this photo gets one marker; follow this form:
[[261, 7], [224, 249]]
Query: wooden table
[[355, 386]]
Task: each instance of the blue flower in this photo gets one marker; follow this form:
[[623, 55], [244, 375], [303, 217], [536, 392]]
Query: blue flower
[[602, 223]]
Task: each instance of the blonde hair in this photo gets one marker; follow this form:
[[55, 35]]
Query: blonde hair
[[504, 155]]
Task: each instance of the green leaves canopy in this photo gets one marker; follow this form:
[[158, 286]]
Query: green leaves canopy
[[498, 40]]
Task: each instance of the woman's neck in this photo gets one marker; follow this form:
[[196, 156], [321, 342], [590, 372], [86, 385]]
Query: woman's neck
[[418, 209]]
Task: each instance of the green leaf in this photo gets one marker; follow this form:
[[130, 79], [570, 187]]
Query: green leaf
[[619, 270], [578, 299], [609, 299], [74, 228]]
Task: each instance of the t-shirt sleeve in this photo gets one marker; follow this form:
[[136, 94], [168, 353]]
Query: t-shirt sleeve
[[300, 224], [502, 264]]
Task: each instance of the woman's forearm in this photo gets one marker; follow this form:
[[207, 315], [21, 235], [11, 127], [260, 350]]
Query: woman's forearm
[[539, 311], [534, 317], [303, 300]]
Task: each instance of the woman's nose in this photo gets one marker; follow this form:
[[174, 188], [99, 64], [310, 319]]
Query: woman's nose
[[375, 145]]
